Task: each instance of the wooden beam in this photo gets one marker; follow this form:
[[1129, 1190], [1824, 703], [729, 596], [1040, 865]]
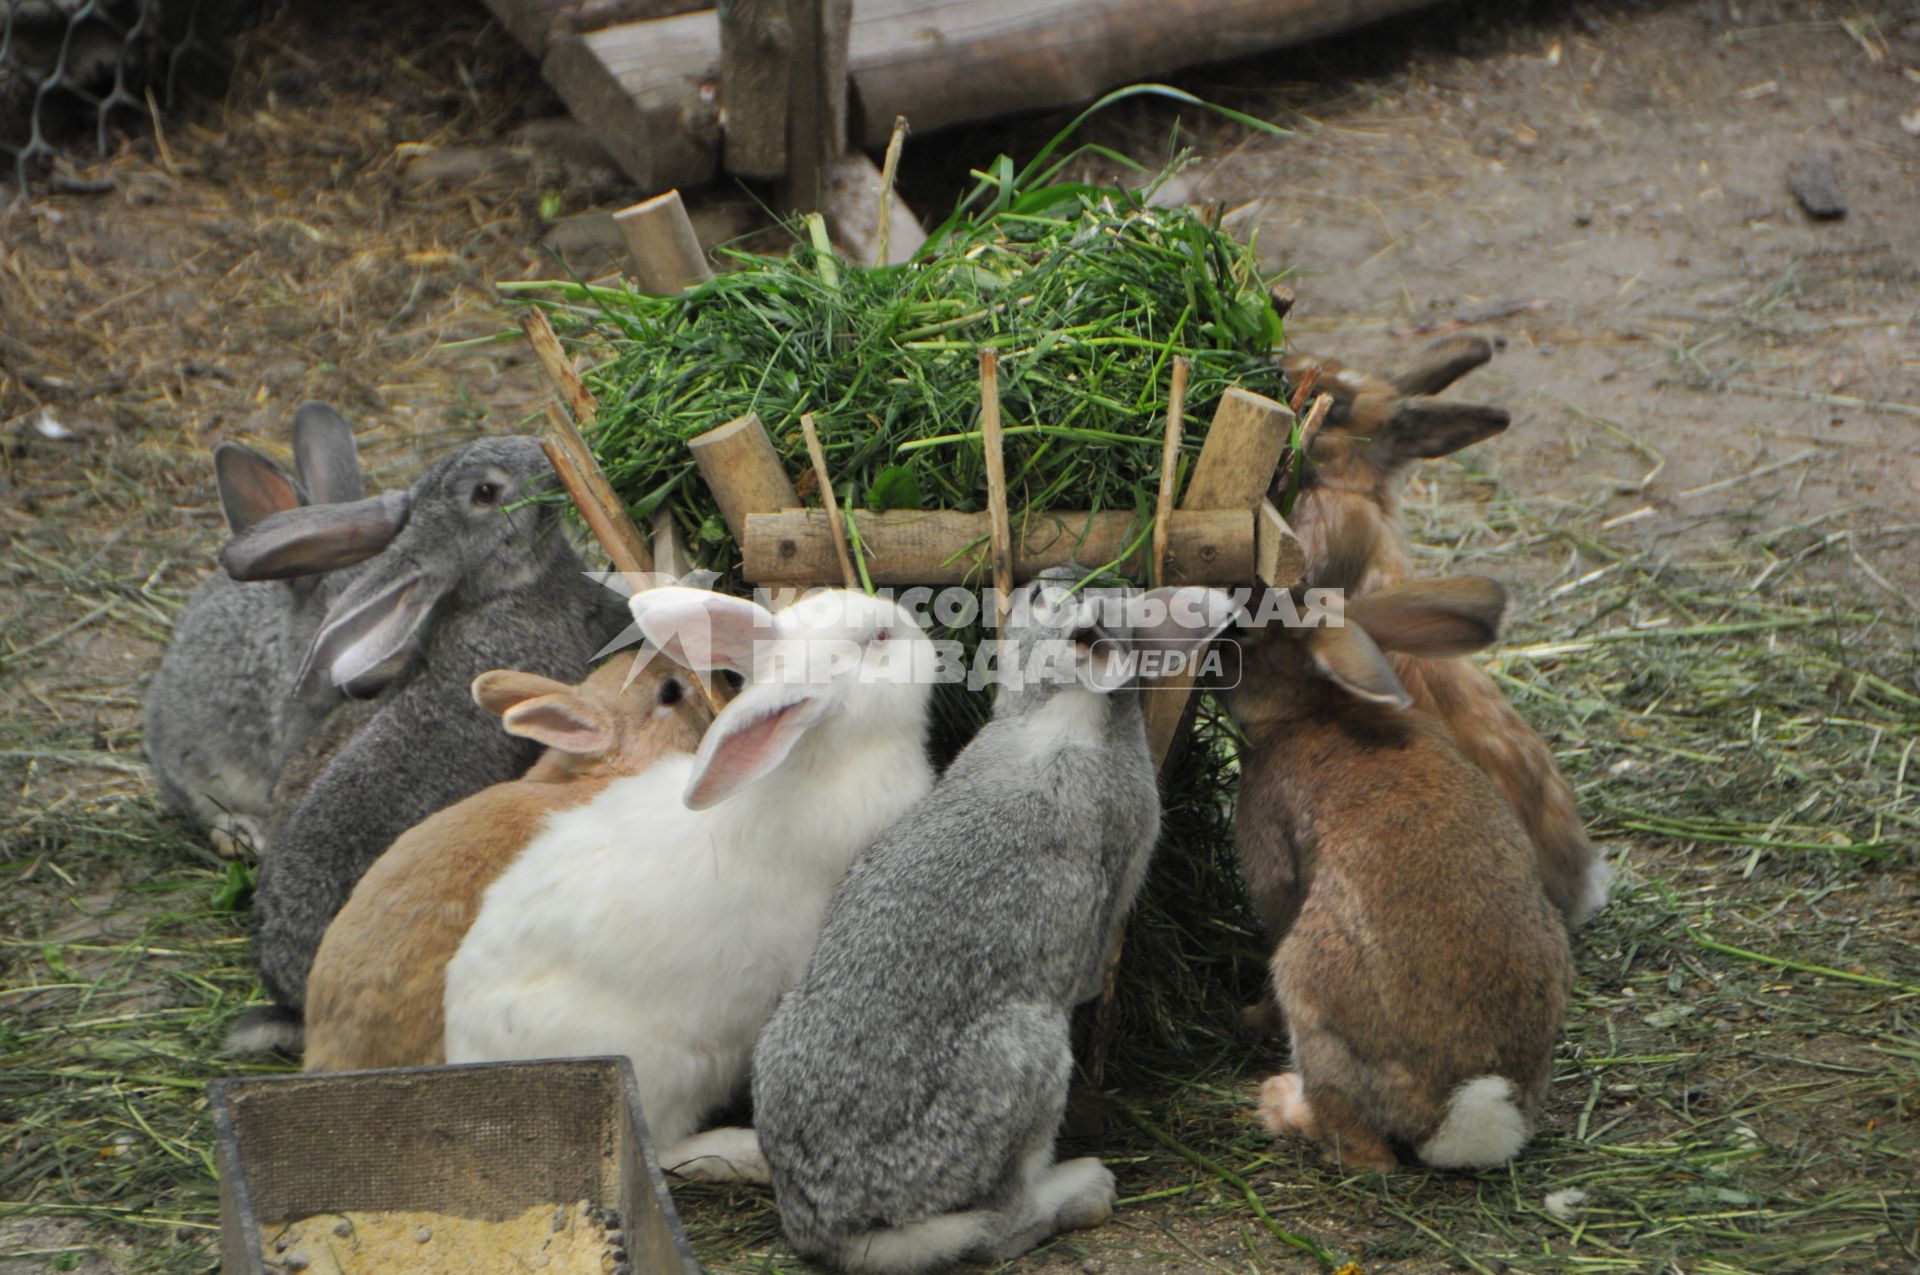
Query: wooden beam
[[661, 246], [742, 468], [537, 23], [670, 556], [650, 89], [910, 546], [756, 55]]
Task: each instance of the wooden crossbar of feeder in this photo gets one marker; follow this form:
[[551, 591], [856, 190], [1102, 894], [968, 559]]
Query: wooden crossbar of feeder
[[913, 546]]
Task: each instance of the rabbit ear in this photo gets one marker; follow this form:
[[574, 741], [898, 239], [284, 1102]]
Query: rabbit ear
[[1189, 616], [566, 720], [326, 456], [700, 629], [1432, 617], [1442, 363], [1349, 659], [1424, 428], [252, 488], [498, 690], [317, 538], [750, 737], [371, 629]]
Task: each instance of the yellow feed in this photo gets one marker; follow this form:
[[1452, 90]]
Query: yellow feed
[[556, 1239]]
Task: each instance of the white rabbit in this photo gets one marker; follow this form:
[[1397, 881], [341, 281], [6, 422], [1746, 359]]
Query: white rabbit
[[665, 919]]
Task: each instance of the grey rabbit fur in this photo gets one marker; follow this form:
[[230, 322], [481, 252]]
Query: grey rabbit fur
[[472, 583], [218, 719], [907, 1092]]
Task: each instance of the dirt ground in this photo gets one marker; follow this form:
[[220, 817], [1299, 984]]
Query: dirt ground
[[1701, 374]]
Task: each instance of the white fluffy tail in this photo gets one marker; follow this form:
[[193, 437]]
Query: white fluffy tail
[[928, 1245], [1483, 1127], [266, 1029], [1593, 892]]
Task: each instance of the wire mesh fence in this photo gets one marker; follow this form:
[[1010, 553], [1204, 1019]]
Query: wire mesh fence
[[72, 71]]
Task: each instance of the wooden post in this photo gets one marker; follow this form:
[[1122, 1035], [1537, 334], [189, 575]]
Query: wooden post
[[817, 97], [741, 467], [1169, 470], [756, 55], [670, 556], [1000, 537], [661, 245], [1234, 470], [830, 503]]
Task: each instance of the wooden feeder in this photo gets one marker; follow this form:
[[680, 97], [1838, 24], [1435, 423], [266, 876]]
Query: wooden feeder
[[483, 1141], [1222, 531]]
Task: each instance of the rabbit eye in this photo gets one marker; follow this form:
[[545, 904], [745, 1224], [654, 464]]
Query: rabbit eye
[[882, 636], [485, 494], [671, 692]]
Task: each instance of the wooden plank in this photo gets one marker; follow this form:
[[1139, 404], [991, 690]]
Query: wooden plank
[[1213, 546], [661, 246], [756, 51], [537, 23], [1248, 434], [1278, 559], [650, 90], [742, 468]]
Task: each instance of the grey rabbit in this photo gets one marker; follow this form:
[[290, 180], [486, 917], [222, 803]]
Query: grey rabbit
[[217, 719], [477, 580], [908, 1091]]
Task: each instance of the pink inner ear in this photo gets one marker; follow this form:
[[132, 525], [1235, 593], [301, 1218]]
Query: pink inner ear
[[748, 752], [554, 722]]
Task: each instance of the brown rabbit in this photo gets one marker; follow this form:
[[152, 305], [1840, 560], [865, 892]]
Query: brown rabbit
[[376, 995], [1375, 429], [1422, 972]]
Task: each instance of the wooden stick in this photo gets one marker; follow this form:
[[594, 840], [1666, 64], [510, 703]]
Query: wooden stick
[[554, 362], [662, 246], [848, 575], [1304, 388], [602, 511], [1000, 532], [883, 233], [1169, 470]]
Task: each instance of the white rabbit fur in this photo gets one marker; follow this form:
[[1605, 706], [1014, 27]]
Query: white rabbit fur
[[641, 925]]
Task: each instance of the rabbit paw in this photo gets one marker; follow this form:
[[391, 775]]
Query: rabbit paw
[[1082, 1193], [235, 838], [1283, 1106], [718, 1155]]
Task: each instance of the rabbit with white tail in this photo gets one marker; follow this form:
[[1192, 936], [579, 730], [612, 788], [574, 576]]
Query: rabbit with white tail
[[1422, 970], [217, 721], [476, 581], [377, 992], [664, 919], [907, 1093], [1379, 426]]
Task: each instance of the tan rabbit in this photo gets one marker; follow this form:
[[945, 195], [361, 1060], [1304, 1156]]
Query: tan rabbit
[[1423, 973], [1376, 428], [376, 995]]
